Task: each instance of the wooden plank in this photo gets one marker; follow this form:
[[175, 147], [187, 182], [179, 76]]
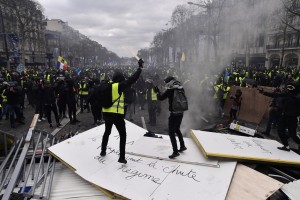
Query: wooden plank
[[248, 184], [34, 121], [243, 148]]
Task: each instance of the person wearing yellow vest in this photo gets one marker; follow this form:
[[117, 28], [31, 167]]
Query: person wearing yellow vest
[[151, 99], [4, 101], [83, 94], [114, 115], [218, 88]]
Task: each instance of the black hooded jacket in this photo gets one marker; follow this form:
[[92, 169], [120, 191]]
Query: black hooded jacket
[[123, 84]]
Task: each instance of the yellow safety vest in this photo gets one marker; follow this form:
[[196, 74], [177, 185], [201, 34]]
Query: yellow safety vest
[[226, 91], [217, 88], [4, 97], [153, 95], [241, 80], [47, 77], [81, 92], [118, 106]]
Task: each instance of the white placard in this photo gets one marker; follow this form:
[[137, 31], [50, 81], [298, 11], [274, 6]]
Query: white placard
[[161, 148], [245, 148], [141, 177]]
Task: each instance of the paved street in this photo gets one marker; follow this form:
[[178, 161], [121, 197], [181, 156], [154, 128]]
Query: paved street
[[86, 121]]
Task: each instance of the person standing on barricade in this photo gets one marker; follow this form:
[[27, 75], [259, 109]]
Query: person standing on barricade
[[174, 88], [114, 115]]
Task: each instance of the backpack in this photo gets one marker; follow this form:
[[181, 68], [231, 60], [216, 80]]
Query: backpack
[[180, 102], [104, 94]]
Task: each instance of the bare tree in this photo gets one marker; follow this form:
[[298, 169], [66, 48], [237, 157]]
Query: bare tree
[[292, 10], [180, 14], [28, 21]]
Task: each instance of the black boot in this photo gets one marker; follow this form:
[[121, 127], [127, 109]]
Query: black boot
[[174, 154], [122, 160], [284, 148], [182, 149]]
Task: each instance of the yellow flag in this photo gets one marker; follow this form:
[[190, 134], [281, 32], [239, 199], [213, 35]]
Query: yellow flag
[[183, 57]]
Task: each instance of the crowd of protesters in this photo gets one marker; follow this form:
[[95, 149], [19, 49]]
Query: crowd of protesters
[[62, 92]]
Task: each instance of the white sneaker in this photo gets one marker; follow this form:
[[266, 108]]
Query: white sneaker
[[43, 118], [39, 120]]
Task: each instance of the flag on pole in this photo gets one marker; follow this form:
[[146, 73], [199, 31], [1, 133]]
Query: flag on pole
[[183, 57], [61, 63], [20, 68], [78, 71]]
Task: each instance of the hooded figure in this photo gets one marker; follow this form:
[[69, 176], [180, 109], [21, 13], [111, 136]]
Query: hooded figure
[[175, 118], [118, 77], [114, 115]]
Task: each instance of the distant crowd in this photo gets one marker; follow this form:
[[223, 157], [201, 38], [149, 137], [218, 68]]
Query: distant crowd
[[69, 89]]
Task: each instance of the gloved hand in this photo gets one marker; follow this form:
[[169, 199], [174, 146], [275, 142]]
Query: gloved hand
[[156, 89], [141, 62]]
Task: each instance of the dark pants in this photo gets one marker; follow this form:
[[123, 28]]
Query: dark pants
[[141, 99], [232, 114], [119, 122], [96, 111], [72, 111], [290, 123], [83, 103], [12, 109], [62, 107], [48, 109], [39, 109], [152, 112], [174, 128], [273, 118]]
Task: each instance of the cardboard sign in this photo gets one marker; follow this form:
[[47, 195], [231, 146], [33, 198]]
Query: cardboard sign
[[141, 177], [243, 148]]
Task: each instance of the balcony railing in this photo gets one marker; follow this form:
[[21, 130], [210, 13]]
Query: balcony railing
[[290, 46]]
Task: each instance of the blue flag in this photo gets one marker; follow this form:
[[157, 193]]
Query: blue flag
[[78, 71], [20, 68]]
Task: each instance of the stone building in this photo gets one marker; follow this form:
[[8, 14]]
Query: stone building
[[22, 33]]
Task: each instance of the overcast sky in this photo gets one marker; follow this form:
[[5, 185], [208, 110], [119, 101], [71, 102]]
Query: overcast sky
[[116, 24]]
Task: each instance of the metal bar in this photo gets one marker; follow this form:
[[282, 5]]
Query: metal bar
[[33, 144], [5, 143], [38, 172], [10, 166], [16, 172], [51, 179], [47, 169], [31, 164], [24, 168], [8, 156], [283, 174], [42, 157]]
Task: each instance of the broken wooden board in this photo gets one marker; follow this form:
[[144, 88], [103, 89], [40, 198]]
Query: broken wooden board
[[248, 184]]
